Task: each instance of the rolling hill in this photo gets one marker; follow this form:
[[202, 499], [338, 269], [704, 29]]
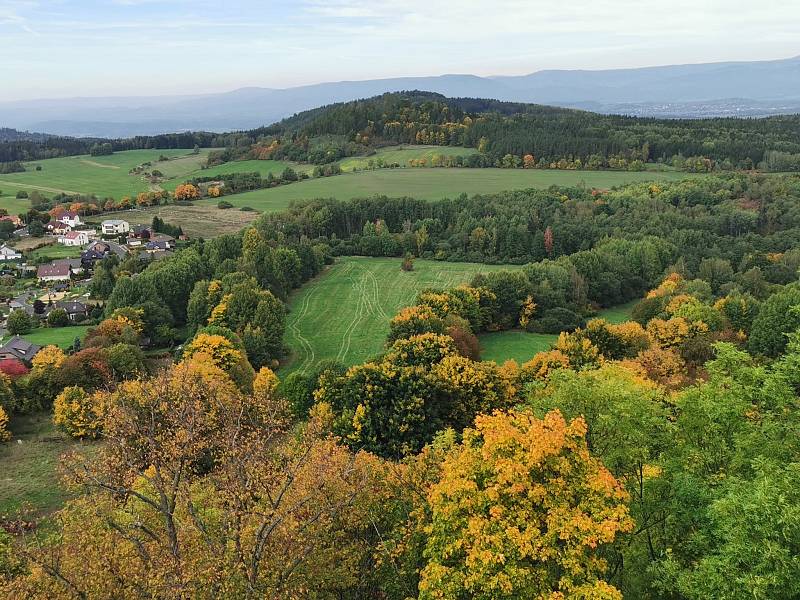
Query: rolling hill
[[712, 89]]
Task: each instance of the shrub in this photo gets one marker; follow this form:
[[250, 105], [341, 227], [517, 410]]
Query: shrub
[[58, 318], [19, 322], [223, 204], [5, 434], [22, 194], [556, 320], [79, 413], [247, 209]]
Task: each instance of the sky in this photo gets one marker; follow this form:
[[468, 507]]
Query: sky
[[67, 48]]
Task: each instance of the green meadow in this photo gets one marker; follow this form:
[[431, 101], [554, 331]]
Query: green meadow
[[402, 154], [435, 184], [344, 314], [100, 175], [521, 346]]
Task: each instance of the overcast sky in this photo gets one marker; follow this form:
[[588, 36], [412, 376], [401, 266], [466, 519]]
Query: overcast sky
[[56, 48]]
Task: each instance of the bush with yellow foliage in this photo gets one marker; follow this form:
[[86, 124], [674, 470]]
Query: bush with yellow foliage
[[79, 413]]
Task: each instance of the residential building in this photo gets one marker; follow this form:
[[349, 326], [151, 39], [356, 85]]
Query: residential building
[[75, 264], [20, 349], [71, 218], [75, 310], [114, 227], [58, 228], [12, 219], [74, 238], [8, 253], [54, 272]]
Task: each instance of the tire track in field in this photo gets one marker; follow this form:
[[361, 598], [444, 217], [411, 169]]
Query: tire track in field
[[376, 296], [361, 306], [305, 344]]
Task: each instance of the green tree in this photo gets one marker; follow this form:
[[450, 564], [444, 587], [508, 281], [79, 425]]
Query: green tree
[[19, 322], [777, 318]]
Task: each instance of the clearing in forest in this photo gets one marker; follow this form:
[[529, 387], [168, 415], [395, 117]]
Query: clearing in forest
[[344, 314]]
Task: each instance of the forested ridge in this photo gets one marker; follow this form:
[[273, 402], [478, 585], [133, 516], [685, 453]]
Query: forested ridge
[[507, 134], [655, 458]]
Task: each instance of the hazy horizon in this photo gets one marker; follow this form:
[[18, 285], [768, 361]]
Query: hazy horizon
[[92, 48]]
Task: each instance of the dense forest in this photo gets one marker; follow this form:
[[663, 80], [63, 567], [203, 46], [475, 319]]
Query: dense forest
[[655, 458], [546, 133]]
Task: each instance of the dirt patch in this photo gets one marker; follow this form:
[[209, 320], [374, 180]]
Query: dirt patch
[[97, 164], [200, 220]]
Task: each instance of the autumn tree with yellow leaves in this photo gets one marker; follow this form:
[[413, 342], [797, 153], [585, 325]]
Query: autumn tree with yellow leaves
[[521, 511]]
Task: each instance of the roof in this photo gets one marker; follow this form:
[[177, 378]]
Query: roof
[[73, 263], [72, 235], [7, 250], [20, 348], [113, 222], [71, 306], [69, 215], [53, 270]]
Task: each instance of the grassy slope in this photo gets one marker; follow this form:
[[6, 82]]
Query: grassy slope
[[28, 470], [434, 184], [344, 314], [100, 175], [402, 154]]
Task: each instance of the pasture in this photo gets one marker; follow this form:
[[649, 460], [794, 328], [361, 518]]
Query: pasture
[[435, 184], [99, 175], [344, 314]]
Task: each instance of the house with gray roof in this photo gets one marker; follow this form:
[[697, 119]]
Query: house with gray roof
[[19, 349]]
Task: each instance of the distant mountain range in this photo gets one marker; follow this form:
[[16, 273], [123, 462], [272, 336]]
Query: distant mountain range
[[759, 88]]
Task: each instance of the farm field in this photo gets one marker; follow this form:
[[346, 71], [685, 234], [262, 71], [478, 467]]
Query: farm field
[[56, 336], [435, 184], [521, 346], [344, 314], [99, 175], [402, 154], [203, 219]]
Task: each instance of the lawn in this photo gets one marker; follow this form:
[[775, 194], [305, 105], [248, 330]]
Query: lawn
[[28, 467], [344, 314], [402, 154], [434, 184], [618, 314], [99, 175], [55, 251], [264, 167], [57, 336]]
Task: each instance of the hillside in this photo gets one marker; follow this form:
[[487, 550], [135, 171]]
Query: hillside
[[714, 89]]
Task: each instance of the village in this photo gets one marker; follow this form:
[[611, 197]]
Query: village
[[46, 280]]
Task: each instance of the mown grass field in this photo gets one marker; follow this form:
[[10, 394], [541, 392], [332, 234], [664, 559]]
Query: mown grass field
[[402, 154], [29, 467], [435, 184], [514, 345], [521, 346], [54, 251], [99, 175], [56, 336], [344, 314]]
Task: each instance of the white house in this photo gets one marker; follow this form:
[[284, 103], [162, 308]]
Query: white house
[[72, 219], [7, 253], [74, 238], [114, 227], [54, 272]]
